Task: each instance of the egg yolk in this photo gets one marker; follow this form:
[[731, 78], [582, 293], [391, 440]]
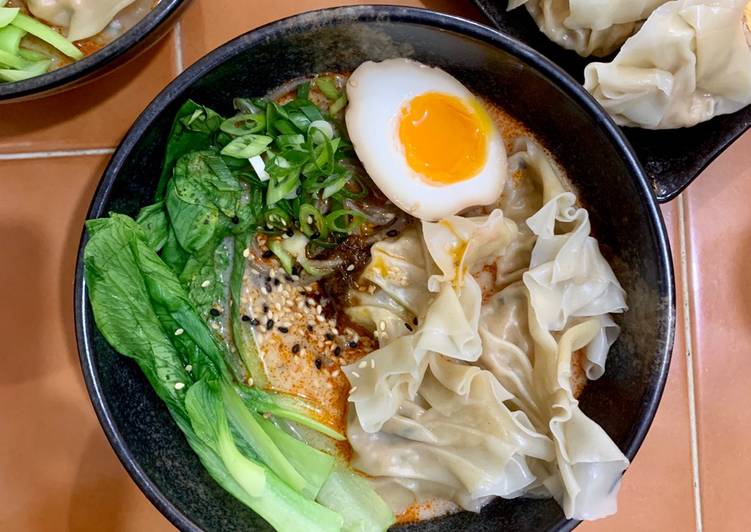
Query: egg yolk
[[444, 138]]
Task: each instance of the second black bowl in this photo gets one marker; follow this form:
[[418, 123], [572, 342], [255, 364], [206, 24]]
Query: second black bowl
[[134, 41]]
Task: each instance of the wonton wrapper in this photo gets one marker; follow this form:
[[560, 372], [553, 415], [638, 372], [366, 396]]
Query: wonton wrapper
[[690, 61], [82, 18], [588, 27], [477, 402]]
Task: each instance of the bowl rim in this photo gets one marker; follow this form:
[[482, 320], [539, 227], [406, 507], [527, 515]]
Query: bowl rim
[[367, 14], [78, 70]]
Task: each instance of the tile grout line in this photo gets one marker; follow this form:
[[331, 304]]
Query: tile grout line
[[688, 338], [179, 63], [52, 154]]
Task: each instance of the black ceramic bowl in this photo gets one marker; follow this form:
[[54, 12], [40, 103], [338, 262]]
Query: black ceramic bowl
[[591, 148], [136, 40]]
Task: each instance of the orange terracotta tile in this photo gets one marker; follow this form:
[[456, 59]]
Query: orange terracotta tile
[[720, 247], [95, 115], [64, 474], [210, 23], [657, 491]]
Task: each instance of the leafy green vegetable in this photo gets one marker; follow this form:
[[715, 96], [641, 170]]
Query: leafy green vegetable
[[153, 219], [198, 135], [47, 34], [167, 291], [349, 494], [209, 421]]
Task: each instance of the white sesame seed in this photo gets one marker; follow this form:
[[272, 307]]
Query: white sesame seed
[[179, 385], [253, 270], [272, 273], [215, 325], [178, 332], [264, 291], [250, 381], [335, 374], [362, 364], [353, 390], [310, 219], [320, 318], [335, 331], [188, 368], [372, 363], [205, 284], [329, 385], [319, 309], [285, 236], [278, 306], [301, 304], [355, 375], [351, 267], [295, 277], [246, 253], [382, 325]]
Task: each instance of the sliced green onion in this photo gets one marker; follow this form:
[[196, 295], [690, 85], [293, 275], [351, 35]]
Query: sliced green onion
[[282, 189], [334, 187], [284, 141], [312, 222], [328, 87], [48, 35], [276, 218], [359, 194], [247, 146], [7, 14], [338, 105], [303, 90], [244, 124], [351, 220], [260, 167], [320, 130], [285, 259]]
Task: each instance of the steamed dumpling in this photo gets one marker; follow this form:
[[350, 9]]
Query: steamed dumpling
[[82, 18], [588, 27], [691, 61]]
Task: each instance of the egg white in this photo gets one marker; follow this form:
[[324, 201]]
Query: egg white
[[377, 92]]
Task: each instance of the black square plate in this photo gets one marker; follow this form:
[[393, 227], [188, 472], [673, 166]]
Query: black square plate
[[671, 158]]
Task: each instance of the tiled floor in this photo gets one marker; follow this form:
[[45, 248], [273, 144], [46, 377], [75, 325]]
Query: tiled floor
[[688, 474]]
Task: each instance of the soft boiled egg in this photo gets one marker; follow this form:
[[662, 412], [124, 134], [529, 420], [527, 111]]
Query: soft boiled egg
[[425, 140]]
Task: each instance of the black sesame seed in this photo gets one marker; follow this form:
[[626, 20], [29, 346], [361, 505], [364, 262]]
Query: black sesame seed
[[310, 327], [277, 282], [296, 270], [392, 233], [290, 232], [352, 344], [319, 363], [254, 322], [269, 325], [329, 336], [288, 278], [215, 312], [245, 318], [337, 351], [267, 254], [235, 220], [268, 279], [265, 308], [414, 321], [316, 235], [409, 327], [283, 329], [296, 348], [268, 287]]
